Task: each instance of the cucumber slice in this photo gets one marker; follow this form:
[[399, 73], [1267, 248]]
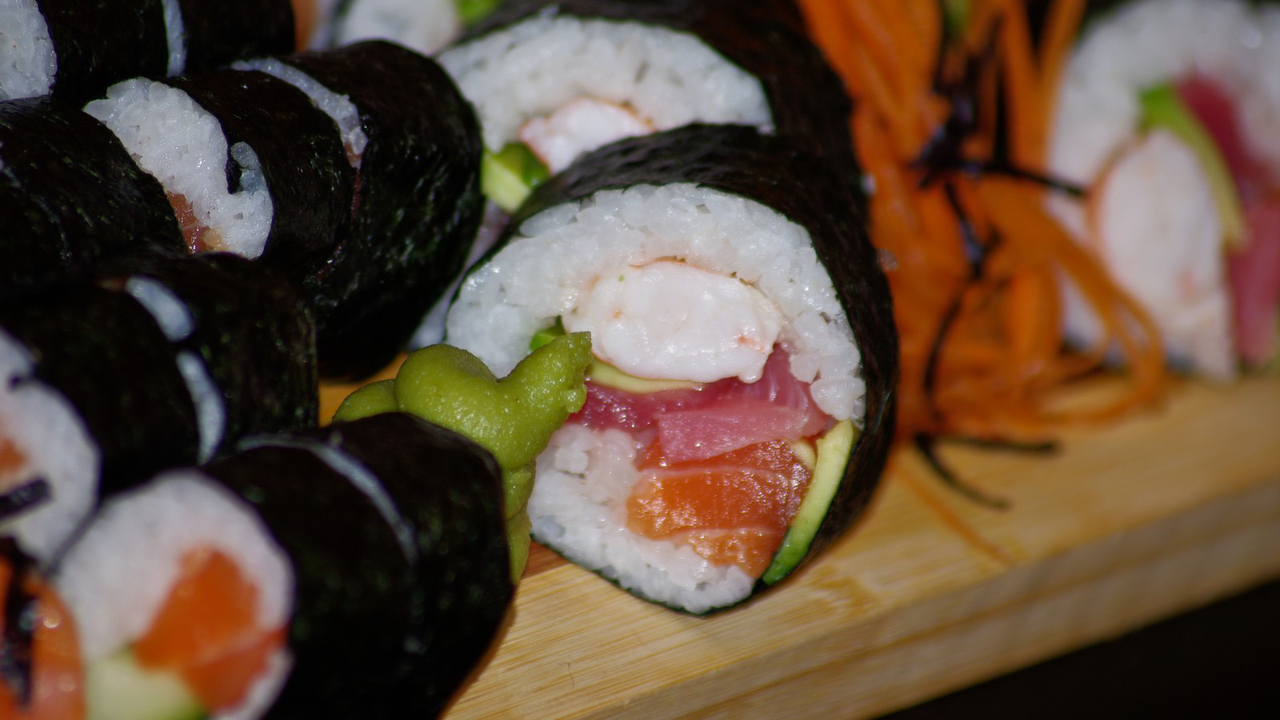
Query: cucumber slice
[[1163, 108], [118, 688], [509, 175], [833, 454], [610, 376]]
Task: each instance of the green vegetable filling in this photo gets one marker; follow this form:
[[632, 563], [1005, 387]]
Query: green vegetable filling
[[509, 175]]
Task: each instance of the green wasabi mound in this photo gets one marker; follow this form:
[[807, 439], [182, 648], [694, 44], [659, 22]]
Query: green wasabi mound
[[513, 418]]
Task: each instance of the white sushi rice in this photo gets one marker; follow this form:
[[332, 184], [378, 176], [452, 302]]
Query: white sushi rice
[[1148, 43], [183, 146], [422, 25], [538, 65], [28, 61], [121, 571], [44, 427], [175, 34], [339, 107], [585, 476]]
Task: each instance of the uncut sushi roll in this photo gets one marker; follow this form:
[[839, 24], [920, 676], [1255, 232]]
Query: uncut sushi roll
[[324, 574], [70, 195], [74, 49], [1167, 115], [740, 408], [199, 352], [560, 79]]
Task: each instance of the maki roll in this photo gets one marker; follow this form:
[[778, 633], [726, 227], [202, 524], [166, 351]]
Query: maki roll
[[423, 26], [322, 574], [70, 195], [40, 670], [739, 409], [1167, 113], [74, 49], [200, 352], [555, 80]]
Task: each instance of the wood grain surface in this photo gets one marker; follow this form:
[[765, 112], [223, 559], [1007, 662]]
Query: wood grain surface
[[930, 592]]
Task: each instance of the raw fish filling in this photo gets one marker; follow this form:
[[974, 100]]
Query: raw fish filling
[[55, 690], [724, 465]]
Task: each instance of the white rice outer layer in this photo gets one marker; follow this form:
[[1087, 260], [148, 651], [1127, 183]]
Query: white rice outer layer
[[28, 62], [119, 574], [45, 428], [175, 34], [422, 25], [1144, 44], [538, 65], [183, 146], [584, 477]]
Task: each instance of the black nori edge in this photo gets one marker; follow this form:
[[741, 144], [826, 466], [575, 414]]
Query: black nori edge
[[71, 195], [740, 161], [252, 329], [101, 42], [105, 354], [417, 208], [381, 629], [219, 32], [17, 642], [303, 162], [766, 38]]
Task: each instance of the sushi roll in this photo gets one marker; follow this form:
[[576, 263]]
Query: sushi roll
[[552, 81], [40, 671], [424, 26], [740, 409], [1167, 113], [199, 353], [70, 195], [74, 49], [414, 142], [323, 574]]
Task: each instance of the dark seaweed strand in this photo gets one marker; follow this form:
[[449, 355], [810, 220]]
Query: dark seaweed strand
[[252, 329], [221, 31], [105, 354], [927, 445], [451, 491], [740, 161], [72, 195], [18, 641], [766, 38], [303, 162], [101, 42], [417, 210], [28, 495]]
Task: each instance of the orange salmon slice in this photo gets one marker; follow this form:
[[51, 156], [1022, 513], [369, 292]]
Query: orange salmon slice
[[12, 459], [207, 631], [732, 509], [57, 674]]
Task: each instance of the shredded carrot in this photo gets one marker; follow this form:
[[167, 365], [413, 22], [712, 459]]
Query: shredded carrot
[[976, 263]]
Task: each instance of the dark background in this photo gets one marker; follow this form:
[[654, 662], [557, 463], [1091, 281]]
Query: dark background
[[1221, 661]]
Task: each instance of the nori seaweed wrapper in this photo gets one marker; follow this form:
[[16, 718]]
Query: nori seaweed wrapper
[[766, 38], [250, 327], [416, 210], [740, 161], [303, 163], [218, 32], [105, 354], [70, 195], [101, 42], [397, 598]]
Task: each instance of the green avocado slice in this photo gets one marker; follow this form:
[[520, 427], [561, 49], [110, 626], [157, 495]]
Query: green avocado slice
[[833, 454], [509, 175], [118, 688], [1163, 108]]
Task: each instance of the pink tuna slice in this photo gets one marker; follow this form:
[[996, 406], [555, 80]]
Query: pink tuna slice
[[715, 418], [1254, 272]]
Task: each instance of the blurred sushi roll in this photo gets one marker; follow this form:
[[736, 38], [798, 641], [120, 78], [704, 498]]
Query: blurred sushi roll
[[1167, 114], [551, 81], [160, 366], [740, 409], [414, 142], [424, 26], [74, 49], [356, 571], [40, 670], [70, 195]]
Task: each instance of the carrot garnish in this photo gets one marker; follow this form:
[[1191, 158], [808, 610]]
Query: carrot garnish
[[951, 125]]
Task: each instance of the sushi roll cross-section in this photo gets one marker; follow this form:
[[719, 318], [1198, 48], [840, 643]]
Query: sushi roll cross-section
[[739, 411]]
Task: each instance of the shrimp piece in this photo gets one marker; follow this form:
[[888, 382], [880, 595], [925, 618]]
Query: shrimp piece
[[671, 321], [579, 127]]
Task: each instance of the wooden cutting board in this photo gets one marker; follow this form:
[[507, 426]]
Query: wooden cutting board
[[930, 592]]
